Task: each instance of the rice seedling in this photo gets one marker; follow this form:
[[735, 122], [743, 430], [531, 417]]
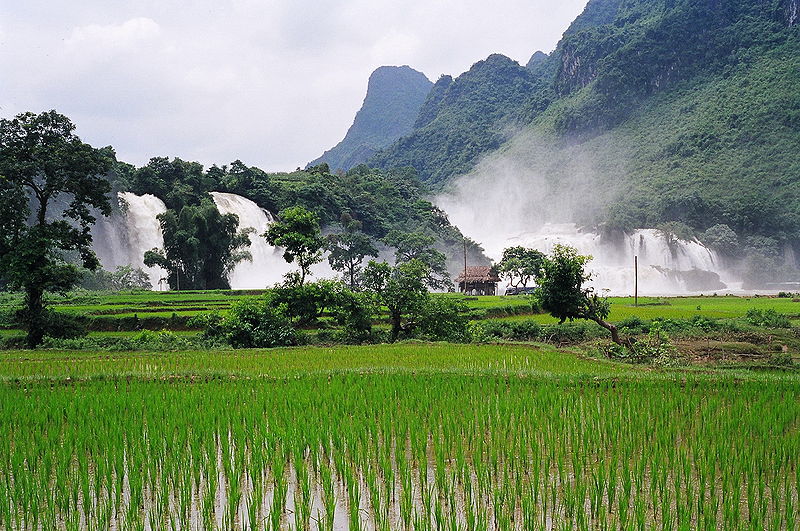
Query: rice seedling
[[276, 445]]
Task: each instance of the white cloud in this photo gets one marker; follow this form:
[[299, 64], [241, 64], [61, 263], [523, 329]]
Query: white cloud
[[272, 83]]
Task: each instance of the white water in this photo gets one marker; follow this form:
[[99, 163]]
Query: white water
[[123, 239], [268, 265], [662, 267]]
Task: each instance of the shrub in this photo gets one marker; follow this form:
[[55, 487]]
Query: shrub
[[767, 318], [257, 323], [633, 325], [307, 302], [64, 325], [444, 320], [353, 311]]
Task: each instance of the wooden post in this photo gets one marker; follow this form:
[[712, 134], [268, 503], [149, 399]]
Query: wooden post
[[465, 266], [636, 281]]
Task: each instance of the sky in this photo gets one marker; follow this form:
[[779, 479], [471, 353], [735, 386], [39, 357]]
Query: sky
[[272, 83]]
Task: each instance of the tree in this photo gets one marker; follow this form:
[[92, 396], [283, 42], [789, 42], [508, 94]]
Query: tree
[[418, 246], [49, 183], [201, 247], [519, 265], [562, 292], [297, 231], [401, 289], [348, 250]]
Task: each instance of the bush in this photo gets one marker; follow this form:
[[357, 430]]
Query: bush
[[633, 325], [306, 303], [257, 323], [767, 318], [60, 325], [445, 320], [353, 311]]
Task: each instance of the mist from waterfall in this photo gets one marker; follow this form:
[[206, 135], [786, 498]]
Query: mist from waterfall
[[536, 194]]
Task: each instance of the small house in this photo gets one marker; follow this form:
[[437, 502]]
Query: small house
[[478, 280]]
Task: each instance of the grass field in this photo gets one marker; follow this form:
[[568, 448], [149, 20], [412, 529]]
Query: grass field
[[406, 436]]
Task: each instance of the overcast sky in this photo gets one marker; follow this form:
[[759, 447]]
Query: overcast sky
[[273, 83]]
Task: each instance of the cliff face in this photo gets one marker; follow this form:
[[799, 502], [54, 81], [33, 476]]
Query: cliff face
[[394, 97]]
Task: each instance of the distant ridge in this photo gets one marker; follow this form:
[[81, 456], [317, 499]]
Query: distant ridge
[[394, 97]]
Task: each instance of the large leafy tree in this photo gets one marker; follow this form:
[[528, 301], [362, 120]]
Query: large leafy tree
[[348, 249], [297, 231], [51, 184], [418, 246], [201, 247], [520, 265], [401, 289], [563, 291]]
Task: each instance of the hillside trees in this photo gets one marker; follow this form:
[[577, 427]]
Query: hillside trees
[[50, 182]]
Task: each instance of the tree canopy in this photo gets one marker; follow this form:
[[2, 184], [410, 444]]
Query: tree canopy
[[348, 249], [520, 265], [201, 246], [563, 291], [52, 185], [297, 232]]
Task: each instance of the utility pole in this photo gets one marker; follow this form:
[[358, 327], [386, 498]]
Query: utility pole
[[465, 264], [636, 280]]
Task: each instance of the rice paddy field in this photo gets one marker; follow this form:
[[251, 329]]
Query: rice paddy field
[[406, 436]]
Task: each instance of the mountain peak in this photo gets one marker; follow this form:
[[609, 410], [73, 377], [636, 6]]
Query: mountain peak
[[394, 97]]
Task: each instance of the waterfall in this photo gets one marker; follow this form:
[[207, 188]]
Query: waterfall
[[123, 238], [664, 267], [268, 265]]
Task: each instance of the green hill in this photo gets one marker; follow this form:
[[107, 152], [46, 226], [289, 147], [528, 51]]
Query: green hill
[[464, 118], [394, 97]]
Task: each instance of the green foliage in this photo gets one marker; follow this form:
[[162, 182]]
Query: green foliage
[[297, 232], [256, 322], [418, 246], [768, 318], [201, 246], [123, 278], [561, 287], [177, 182], [348, 249], [445, 319], [402, 289], [721, 238], [520, 265], [305, 303], [41, 159]]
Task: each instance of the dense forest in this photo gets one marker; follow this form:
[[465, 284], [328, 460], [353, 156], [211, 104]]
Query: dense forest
[[381, 201]]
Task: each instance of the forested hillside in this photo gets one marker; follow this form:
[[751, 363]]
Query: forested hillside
[[394, 97], [682, 111]]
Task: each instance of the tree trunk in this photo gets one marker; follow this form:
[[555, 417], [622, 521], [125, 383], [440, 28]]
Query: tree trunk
[[611, 328], [395, 318], [35, 315]]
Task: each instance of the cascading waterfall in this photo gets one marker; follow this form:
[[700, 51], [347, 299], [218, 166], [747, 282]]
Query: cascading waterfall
[[123, 238], [664, 267], [268, 265]]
